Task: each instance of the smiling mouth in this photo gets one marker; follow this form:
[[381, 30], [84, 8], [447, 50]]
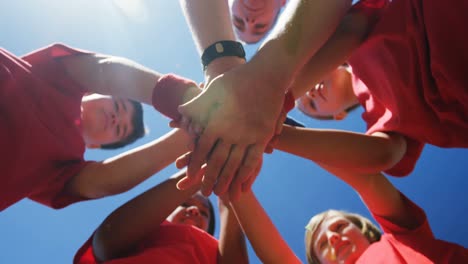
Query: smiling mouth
[[343, 250]]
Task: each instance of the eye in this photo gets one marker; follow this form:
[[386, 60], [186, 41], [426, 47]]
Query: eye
[[204, 213], [117, 130], [238, 23], [340, 226]]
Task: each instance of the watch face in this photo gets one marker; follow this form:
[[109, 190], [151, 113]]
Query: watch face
[[219, 47]]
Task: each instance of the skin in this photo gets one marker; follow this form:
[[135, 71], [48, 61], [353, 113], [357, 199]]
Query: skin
[[195, 211], [227, 145], [338, 240], [105, 119], [252, 19], [126, 226], [331, 97], [376, 191]]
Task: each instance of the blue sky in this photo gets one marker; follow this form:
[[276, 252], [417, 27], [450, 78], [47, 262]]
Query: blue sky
[[290, 188]]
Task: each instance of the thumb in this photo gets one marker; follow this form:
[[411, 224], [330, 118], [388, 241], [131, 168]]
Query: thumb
[[186, 182]]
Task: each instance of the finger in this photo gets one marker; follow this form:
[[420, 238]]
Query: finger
[[183, 160], [196, 108], [203, 147], [229, 170], [248, 184], [271, 145], [184, 123], [174, 123], [251, 160], [186, 182], [279, 122], [216, 160], [195, 129]]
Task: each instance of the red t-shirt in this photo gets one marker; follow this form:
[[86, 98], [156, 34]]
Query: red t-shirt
[[170, 244], [411, 75], [401, 245], [40, 109]]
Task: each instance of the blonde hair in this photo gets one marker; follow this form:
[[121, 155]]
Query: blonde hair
[[368, 229]]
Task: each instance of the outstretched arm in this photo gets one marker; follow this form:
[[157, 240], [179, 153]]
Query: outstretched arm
[[232, 247], [379, 195], [131, 222], [355, 159], [356, 152], [351, 32], [250, 97], [209, 21], [124, 171], [261, 232], [112, 75]]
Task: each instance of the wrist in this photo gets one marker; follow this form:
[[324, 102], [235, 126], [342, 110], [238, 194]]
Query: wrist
[[220, 49], [221, 65], [278, 69], [271, 80], [171, 91]]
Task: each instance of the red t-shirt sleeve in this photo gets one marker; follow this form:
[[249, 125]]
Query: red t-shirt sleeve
[[45, 62], [407, 163], [54, 195], [422, 231]]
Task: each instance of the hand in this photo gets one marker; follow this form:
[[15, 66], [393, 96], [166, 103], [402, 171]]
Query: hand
[[239, 112]]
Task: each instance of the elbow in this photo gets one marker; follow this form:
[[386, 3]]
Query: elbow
[[390, 153]]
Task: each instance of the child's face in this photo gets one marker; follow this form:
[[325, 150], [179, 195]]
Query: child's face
[[252, 19], [195, 211], [105, 119], [331, 97], [338, 240]]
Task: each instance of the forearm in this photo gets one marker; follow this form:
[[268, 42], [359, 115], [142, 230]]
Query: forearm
[[209, 21], [261, 232], [131, 222], [305, 27], [349, 35], [356, 152], [232, 245], [123, 172], [112, 76], [379, 195]]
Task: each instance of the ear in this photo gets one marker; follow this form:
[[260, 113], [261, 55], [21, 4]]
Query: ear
[[93, 146], [340, 116]]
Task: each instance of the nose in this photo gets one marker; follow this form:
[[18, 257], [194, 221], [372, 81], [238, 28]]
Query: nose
[[115, 119], [333, 238], [193, 211], [250, 20]]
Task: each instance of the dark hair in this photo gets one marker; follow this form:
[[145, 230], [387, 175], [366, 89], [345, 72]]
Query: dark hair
[[138, 128], [212, 224]]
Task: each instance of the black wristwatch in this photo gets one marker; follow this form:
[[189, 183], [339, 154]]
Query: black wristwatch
[[222, 48]]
